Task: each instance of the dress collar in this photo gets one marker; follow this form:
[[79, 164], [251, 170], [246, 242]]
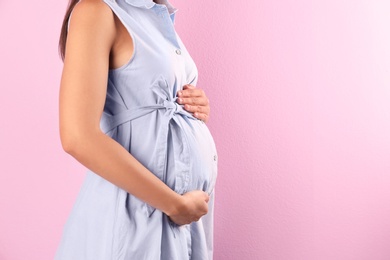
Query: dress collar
[[141, 3], [149, 4]]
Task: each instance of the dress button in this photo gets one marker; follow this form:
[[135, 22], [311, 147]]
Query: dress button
[[215, 158], [178, 52]]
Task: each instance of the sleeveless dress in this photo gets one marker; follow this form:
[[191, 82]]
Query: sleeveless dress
[[141, 113]]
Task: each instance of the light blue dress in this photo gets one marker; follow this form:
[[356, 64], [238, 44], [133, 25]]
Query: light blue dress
[[141, 113]]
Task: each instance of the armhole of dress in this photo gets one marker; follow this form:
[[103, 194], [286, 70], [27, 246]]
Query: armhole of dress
[[131, 34]]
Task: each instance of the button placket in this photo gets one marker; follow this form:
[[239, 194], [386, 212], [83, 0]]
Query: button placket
[[167, 25]]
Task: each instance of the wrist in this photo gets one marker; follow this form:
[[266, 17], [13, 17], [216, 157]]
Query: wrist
[[175, 206]]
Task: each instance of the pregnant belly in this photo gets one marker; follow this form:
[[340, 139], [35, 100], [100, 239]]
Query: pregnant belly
[[181, 153], [202, 157]]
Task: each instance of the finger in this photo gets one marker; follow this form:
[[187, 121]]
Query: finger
[[203, 117], [207, 199], [200, 112], [199, 101], [207, 208], [191, 92], [198, 109], [189, 86]]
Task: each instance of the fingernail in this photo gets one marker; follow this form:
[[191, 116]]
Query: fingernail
[[179, 93], [179, 100]]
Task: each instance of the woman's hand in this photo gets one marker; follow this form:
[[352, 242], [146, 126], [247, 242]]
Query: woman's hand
[[195, 101], [192, 207]]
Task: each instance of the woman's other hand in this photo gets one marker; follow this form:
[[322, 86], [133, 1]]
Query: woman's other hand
[[192, 207], [195, 101]]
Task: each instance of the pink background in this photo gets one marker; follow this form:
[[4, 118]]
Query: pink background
[[300, 94]]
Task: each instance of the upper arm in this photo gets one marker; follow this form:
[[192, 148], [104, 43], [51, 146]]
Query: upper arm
[[84, 77]]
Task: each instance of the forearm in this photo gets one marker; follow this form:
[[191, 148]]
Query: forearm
[[107, 158]]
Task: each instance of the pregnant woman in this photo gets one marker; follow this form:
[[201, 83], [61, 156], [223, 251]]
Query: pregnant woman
[[130, 113]]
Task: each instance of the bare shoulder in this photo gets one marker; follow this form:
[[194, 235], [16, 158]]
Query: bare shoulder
[[92, 18], [93, 7]]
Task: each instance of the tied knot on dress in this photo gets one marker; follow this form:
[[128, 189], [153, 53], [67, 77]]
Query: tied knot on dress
[[165, 101], [168, 101], [173, 107]]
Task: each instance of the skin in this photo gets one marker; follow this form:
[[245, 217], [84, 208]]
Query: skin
[[97, 41], [194, 101]]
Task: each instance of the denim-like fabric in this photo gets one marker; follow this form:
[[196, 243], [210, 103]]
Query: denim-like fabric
[[142, 115]]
